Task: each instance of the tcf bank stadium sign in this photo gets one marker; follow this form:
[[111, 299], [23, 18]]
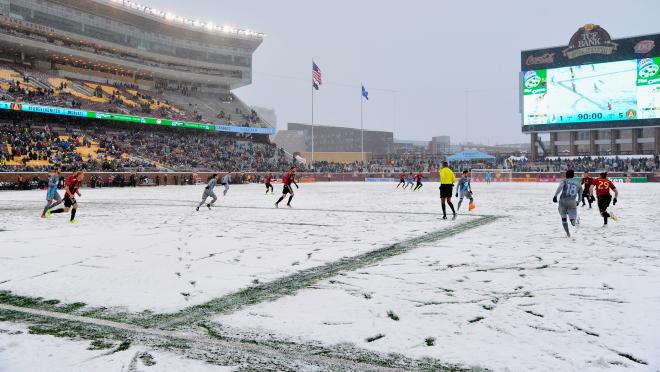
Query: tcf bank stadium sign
[[590, 39]]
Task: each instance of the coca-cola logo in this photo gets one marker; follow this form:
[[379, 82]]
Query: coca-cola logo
[[590, 39], [644, 46], [544, 59]]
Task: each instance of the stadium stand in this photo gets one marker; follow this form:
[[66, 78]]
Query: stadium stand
[[123, 148]]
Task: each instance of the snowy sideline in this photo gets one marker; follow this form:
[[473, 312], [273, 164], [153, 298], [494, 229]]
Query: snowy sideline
[[513, 294]]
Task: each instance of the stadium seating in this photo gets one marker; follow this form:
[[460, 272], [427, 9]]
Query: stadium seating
[[128, 148], [24, 83]]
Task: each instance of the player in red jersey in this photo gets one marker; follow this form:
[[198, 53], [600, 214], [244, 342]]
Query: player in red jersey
[[287, 180], [603, 187], [268, 181], [72, 189], [402, 180], [418, 179], [586, 183]]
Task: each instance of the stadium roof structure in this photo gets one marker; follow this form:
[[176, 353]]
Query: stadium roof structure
[[467, 155], [178, 20]]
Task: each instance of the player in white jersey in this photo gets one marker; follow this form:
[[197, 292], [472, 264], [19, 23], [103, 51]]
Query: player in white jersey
[[208, 192], [225, 182], [570, 191]]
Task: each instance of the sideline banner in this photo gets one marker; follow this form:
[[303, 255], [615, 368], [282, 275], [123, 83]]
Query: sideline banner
[[27, 107], [372, 179]]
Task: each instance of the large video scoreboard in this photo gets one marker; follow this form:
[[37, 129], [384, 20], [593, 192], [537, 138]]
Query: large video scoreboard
[[593, 83]]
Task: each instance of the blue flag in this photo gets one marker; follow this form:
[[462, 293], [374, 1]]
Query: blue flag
[[365, 94]]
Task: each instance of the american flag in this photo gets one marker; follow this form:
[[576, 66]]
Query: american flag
[[316, 76]]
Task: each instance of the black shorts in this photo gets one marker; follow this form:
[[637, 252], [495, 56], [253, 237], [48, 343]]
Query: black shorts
[[604, 202], [68, 202], [286, 190], [269, 186], [585, 193], [445, 190], [419, 183]]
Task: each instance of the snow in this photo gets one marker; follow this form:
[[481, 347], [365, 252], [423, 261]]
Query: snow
[[538, 292], [147, 248], [547, 301], [21, 351]]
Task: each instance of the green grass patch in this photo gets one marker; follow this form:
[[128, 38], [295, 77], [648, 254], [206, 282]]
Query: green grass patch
[[99, 345], [392, 315], [374, 338], [124, 345]]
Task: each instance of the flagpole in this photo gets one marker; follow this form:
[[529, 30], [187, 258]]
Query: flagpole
[[362, 124], [312, 119]]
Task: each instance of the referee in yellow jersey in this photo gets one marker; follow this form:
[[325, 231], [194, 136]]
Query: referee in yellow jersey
[[447, 179]]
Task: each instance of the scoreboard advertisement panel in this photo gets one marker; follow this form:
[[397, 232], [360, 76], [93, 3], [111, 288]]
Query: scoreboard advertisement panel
[[594, 83], [611, 91]]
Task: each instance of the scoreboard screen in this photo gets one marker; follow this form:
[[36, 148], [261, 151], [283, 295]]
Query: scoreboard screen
[[601, 92]]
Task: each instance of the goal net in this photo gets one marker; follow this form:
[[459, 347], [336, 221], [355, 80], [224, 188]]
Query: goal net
[[492, 175]]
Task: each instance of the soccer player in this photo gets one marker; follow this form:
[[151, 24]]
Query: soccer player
[[72, 188], [464, 188], [402, 180], [569, 199], [418, 179], [51, 193], [268, 180], [447, 179], [225, 182], [586, 183], [208, 193], [287, 180], [488, 176], [409, 181], [603, 185]]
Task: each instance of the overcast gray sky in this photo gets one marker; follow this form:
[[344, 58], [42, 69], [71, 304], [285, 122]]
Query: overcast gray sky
[[420, 60]]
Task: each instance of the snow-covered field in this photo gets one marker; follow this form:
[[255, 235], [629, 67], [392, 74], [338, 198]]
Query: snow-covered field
[[510, 294]]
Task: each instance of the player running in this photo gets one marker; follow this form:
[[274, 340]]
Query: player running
[[464, 189], [447, 179], [51, 193], [225, 182], [603, 186], [418, 180], [409, 181], [268, 181], [72, 188], [208, 193], [287, 180], [586, 183], [402, 180], [569, 200]]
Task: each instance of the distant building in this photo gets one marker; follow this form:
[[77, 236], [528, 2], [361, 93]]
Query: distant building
[[440, 145], [410, 147], [340, 139]]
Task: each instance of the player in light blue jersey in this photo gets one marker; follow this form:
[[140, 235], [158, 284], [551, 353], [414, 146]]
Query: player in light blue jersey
[[571, 192], [464, 189], [409, 181], [208, 193], [225, 182], [51, 192]]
